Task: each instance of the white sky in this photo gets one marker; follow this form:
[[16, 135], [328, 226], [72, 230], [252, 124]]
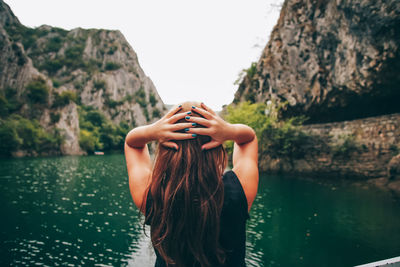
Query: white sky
[[192, 50]]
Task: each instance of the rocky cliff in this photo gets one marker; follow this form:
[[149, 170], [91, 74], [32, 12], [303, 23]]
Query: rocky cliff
[[58, 77], [330, 60], [337, 63]]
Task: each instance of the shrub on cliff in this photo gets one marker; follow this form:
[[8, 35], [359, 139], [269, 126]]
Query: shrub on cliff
[[112, 103], [99, 84], [74, 52], [52, 65], [140, 97], [37, 91], [95, 117], [64, 98], [152, 99], [156, 113], [345, 145], [54, 44], [112, 66], [9, 102]]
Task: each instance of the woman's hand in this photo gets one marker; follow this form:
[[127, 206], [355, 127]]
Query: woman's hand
[[218, 129], [165, 129]]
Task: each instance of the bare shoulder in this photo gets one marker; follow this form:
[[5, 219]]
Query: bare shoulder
[[139, 173], [245, 165], [247, 173]]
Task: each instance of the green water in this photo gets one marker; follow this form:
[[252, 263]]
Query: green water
[[78, 211]]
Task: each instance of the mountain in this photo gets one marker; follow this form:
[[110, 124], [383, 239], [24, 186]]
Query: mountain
[[80, 90], [330, 60]]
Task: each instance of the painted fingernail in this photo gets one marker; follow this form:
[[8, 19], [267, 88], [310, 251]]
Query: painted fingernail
[[193, 107], [187, 117], [179, 106], [194, 124], [194, 135], [186, 129], [189, 112]]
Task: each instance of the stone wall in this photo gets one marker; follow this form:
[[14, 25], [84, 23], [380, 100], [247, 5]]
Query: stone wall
[[359, 148]]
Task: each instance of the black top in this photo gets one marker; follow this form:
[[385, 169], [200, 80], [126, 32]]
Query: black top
[[232, 222]]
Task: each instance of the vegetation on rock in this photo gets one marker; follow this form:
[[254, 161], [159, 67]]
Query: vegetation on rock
[[99, 133], [18, 133], [278, 138], [63, 99], [37, 91]]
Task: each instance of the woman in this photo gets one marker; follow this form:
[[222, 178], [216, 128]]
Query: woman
[[197, 214]]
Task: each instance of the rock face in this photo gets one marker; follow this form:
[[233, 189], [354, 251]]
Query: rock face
[[97, 66], [330, 60]]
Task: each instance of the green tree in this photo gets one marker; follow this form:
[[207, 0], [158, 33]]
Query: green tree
[[52, 65], [9, 139], [74, 52], [252, 114], [140, 97], [95, 117], [64, 98], [99, 84], [37, 91], [89, 141], [156, 113], [276, 138], [3, 106], [20, 133], [112, 66], [152, 99]]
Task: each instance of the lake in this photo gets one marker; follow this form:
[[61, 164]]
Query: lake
[[78, 211]]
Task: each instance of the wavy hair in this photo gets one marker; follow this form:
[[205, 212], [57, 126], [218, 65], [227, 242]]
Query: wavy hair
[[187, 195]]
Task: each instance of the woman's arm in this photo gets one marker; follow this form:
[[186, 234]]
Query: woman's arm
[[137, 154], [245, 151]]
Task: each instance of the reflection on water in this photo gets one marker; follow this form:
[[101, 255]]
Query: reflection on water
[[307, 223], [78, 211], [73, 210]]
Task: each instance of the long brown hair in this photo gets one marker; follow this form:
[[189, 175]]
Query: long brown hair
[[187, 197]]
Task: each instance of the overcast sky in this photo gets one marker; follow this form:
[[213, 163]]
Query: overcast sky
[[192, 50]]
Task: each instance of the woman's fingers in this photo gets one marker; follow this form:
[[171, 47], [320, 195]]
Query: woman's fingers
[[201, 121], [170, 144], [181, 126], [202, 131], [177, 117], [202, 112], [182, 136], [207, 108], [210, 145], [173, 111]]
